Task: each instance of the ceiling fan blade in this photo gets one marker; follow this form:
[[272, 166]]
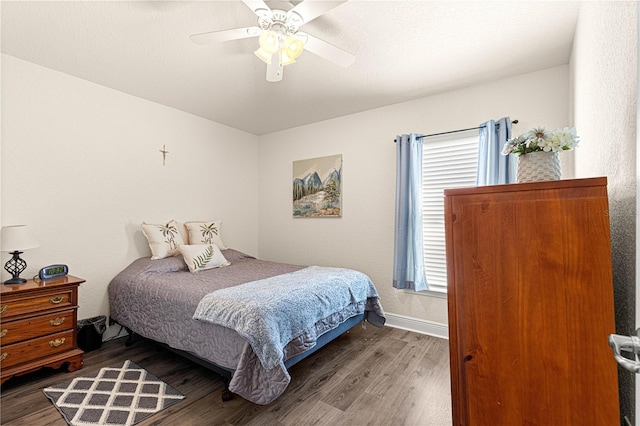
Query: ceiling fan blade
[[274, 69], [309, 10], [225, 35], [327, 51], [259, 7]]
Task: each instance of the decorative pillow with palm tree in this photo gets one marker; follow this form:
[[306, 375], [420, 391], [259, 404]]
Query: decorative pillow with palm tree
[[199, 257], [164, 239], [205, 233]]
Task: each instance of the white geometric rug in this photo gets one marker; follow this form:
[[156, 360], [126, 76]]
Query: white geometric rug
[[121, 395]]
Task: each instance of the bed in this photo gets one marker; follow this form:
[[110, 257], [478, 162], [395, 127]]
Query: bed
[[201, 316]]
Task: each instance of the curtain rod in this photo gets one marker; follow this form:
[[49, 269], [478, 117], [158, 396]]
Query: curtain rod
[[456, 131]]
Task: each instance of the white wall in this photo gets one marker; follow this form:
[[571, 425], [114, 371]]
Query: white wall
[[604, 73], [99, 150], [81, 167], [363, 238]]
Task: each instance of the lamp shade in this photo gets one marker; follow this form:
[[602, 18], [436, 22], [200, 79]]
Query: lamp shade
[[263, 55], [294, 47], [16, 238], [285, 59], [269, 41]]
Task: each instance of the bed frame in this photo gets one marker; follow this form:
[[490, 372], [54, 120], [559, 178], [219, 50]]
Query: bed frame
[[227, 374]]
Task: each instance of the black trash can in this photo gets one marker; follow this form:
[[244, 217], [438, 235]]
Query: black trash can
[[90, 332]]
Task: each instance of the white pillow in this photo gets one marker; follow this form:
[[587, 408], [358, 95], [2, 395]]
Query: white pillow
[[183, 232], [164, 239], [203, 256], [205, 233]]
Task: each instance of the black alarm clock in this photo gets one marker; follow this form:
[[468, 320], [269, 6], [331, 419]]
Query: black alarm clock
[[53, 271]]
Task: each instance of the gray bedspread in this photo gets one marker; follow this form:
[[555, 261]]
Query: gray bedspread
[[157, 299]]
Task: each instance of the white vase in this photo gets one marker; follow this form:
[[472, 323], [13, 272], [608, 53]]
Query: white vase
[[539, 165]]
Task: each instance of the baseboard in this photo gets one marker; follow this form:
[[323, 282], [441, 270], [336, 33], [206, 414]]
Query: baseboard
[[431, 328]]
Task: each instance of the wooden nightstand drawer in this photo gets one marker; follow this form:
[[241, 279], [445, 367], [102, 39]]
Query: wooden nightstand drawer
[[38, 326], [17, 331], [41, 347], [36, 303]]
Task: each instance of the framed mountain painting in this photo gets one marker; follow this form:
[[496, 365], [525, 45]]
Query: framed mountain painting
[[317, 187]]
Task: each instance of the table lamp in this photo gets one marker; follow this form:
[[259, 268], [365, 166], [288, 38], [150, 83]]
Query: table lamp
[[13, 240]]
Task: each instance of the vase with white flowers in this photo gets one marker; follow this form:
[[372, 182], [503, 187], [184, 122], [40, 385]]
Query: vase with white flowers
[[538, 151]]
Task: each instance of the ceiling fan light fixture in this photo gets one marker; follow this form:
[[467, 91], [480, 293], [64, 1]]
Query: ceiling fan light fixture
[[269, 41], [294, 47], [285, 59], [264, 55], [277, 31]]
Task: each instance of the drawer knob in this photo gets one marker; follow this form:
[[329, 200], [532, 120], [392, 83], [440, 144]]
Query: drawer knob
[[3, 356], [56, 321], [56, 300], [3, 308], [3, 332], [57, 342]]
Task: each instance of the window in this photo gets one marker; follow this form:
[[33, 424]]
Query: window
[[448, 161]]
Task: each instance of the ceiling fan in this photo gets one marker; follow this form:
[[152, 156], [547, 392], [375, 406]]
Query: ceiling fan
[[280, 40]]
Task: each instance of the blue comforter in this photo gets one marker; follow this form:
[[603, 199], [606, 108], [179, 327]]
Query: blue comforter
[[270, 313]]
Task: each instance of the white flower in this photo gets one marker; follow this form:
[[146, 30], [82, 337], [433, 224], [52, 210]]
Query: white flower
[[566, 138], [537, 136], [546, 145], [510, 145], [539, 139]]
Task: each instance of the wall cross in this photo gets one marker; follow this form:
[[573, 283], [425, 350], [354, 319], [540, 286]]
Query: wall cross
[[164, 154]]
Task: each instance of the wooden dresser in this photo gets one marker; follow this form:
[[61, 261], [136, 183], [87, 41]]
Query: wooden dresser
[[530, 300], [38, 326]]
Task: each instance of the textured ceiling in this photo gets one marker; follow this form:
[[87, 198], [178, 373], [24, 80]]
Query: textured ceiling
[[404, 50]]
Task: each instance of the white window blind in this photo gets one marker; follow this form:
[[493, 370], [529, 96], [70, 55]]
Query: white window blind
[[448, 161]]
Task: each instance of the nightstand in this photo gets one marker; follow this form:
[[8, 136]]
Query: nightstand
[[38, 326]]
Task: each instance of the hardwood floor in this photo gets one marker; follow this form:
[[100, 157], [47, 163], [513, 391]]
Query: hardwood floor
[[366, 377]]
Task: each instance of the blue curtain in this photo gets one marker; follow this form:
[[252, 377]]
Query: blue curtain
[[493, 167], [408, 258]]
